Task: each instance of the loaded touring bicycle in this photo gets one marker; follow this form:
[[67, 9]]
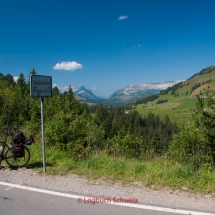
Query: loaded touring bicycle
[[16, 154]]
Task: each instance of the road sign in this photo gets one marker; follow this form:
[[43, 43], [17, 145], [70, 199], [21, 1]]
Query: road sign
[[40, 86]]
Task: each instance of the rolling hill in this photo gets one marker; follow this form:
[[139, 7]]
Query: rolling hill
[[179, 100]]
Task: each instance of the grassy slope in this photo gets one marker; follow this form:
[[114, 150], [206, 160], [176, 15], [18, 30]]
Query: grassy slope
[[178, 108], [159, 172]]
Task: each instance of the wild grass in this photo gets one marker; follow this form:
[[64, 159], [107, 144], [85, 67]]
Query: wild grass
[[158, 172]]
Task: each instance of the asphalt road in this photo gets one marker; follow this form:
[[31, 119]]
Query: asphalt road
[[23, 200]]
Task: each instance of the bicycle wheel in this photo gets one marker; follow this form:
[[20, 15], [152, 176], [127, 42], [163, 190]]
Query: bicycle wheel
[[12, 161]]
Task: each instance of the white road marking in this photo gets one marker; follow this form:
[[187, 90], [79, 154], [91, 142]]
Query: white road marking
[[132, 205], [9, 188]]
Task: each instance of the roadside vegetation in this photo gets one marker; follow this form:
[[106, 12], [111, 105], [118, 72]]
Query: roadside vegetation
[[157, 173], [112, 142]]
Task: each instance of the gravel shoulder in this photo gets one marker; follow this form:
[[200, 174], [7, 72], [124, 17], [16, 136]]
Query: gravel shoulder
[[104, 188]]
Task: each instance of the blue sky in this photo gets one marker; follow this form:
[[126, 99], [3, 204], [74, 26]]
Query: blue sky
[[106, 45]]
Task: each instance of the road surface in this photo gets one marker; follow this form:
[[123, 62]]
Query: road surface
[[24, 200]]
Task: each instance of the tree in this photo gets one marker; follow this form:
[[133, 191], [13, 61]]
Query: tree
[[32, 72], [55, 91], [10, 80], [103, 119], [205, 121], [21, 85], [157, 145], [187, 146]]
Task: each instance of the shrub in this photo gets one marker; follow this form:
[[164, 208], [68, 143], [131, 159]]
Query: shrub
[[188, 146]]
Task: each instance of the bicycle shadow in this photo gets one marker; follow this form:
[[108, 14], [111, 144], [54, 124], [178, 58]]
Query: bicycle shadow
[[34, 165]]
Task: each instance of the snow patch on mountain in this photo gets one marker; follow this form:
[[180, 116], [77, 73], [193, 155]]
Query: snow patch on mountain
[[130, 89]]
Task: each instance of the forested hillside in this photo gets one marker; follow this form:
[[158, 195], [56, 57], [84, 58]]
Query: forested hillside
[[72, 126], [178, 101]]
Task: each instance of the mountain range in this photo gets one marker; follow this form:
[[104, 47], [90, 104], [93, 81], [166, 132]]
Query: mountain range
[[133, 92], [127, 94], [177, 99]]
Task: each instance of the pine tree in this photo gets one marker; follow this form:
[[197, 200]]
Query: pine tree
[[10, 80], [157, 144]]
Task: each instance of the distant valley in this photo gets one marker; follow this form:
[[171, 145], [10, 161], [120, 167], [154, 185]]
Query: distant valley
[[173, 98], [123, 96]]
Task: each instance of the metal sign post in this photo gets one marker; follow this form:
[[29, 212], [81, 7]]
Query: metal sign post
[[41, 87], [43, 139]]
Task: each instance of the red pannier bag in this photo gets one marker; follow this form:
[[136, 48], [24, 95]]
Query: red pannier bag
[[17, 145]]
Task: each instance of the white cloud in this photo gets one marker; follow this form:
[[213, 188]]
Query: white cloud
[[63, 89], [68, 66], [122, 17], [15, 78], [66, 88], [54, 85]]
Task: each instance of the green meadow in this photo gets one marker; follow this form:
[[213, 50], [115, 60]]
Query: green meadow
[[180, 107], [179, 110]]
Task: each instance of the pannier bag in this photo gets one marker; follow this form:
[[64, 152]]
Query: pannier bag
[[18, 150], [18, 138]]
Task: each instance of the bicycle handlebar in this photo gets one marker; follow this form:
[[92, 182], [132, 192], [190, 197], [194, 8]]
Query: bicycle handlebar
[[9, 133]]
